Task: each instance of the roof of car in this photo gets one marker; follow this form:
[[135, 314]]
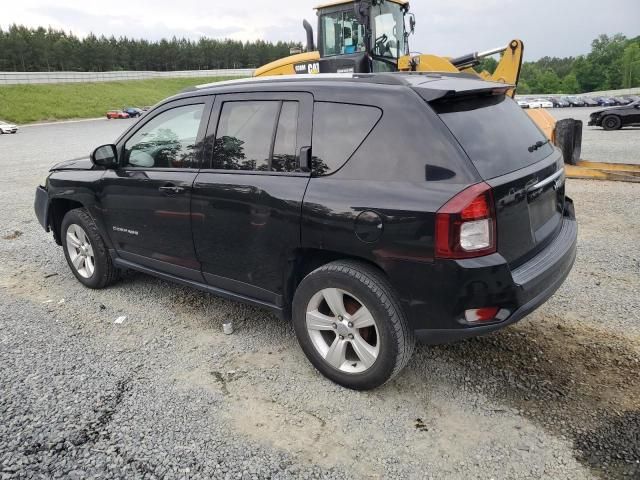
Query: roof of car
[[431, 85]]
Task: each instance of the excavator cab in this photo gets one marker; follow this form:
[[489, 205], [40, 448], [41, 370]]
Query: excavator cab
[[361, 37]]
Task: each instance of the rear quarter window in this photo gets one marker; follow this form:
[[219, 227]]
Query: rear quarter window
[[495, 133], [338, 130]]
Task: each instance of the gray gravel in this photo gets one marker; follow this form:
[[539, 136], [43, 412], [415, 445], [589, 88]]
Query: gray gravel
[[598, 145], [166, 395]]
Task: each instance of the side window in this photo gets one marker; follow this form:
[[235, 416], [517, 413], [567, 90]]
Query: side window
[[257, 135], [166, 141], [338, 131]]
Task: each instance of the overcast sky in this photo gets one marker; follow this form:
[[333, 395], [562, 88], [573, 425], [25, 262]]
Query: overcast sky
[[547, 27]]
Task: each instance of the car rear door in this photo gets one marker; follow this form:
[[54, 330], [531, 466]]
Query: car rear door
[[247, 199], [147, 200], [524, 170]]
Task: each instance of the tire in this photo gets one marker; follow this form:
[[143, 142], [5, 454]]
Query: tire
[[569, 139], [94, 266], [611, 122], [368, 356]]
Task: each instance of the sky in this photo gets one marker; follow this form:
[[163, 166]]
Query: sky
[[548, 28]]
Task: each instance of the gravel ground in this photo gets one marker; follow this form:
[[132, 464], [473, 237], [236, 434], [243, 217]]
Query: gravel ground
[[598, 145], [166, 395]]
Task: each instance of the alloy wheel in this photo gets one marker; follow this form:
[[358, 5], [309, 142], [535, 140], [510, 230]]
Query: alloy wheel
[[342, 330], [80, 251]]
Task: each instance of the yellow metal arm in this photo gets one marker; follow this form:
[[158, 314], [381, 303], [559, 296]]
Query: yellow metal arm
[[508, 70]]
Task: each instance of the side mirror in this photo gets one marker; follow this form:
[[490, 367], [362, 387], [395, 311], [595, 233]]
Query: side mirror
[[105, 156], [412, 23]]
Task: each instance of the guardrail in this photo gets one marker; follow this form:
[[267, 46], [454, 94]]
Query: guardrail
[[21, 78]]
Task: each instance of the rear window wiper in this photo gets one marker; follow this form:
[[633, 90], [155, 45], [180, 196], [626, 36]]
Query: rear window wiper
[[537, 145]]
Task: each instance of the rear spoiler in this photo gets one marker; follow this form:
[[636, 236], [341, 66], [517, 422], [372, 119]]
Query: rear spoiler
[[448, 87]]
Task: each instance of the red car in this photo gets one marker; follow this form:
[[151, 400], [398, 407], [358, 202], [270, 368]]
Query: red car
[[117, 114]]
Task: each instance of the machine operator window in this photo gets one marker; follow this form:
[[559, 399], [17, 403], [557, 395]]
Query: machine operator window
[[389, 30], [342, 34]]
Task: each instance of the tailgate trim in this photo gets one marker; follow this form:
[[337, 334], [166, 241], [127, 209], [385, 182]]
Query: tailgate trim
[[547, 181]]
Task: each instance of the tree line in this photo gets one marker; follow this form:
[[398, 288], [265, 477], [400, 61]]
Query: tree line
[[39, 49], [613, 63]]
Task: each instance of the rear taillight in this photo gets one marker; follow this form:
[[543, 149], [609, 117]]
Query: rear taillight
[[466, 224]]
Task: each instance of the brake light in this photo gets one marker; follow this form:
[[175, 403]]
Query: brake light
[[466, 224]]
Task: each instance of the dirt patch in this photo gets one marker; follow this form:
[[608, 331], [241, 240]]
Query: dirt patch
[[576, 381], [13, 235]]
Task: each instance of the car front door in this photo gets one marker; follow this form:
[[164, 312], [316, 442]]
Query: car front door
[[247, 201], [147, 200]]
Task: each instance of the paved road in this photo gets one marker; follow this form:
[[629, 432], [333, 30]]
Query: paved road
[[166, 395], [598, 145]]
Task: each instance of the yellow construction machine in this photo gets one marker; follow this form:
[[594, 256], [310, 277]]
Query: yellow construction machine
[[364, 36]]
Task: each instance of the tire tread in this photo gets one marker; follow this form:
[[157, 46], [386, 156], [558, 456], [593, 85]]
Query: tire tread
[[111, 273], [381, 288]]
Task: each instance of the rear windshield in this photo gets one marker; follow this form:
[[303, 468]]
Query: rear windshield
[[494, 131]]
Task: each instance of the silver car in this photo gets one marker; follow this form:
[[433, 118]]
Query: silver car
[[8, 127]]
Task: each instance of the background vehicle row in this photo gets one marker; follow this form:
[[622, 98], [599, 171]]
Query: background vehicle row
[[573, 101]]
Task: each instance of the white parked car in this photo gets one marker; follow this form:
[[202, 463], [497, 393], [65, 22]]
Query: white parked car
[[523, 103], [8, 127], [540, 103]]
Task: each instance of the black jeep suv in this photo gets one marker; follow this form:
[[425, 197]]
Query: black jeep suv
[[369, 209]]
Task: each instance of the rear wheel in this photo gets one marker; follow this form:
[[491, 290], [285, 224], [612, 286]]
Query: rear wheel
[[85, 251], [351, 326], [611, 122]]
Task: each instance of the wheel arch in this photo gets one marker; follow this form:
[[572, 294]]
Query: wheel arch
[[305, 260], [58, 208]]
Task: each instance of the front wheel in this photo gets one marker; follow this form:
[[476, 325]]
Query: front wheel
[[85, 251], [350, 325], [611, 122]]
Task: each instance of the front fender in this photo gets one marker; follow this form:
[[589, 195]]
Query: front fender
[[67, 190]]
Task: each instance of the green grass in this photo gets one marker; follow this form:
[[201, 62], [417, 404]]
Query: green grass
[[33, 103]]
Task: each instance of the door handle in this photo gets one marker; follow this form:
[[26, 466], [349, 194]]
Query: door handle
[[306, 163], [171, 189]]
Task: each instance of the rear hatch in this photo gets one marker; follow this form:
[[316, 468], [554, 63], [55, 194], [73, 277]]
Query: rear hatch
[[514, 157]]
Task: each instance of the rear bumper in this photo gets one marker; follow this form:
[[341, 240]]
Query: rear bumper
[[41, 207], [488, 281]]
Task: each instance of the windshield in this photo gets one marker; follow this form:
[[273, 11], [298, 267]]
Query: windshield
[[387, 20], [341, 34]]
